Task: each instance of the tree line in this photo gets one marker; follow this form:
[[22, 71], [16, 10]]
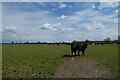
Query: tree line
[[105, 41]]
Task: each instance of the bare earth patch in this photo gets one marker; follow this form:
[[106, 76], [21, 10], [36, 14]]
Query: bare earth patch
[[82, 67]]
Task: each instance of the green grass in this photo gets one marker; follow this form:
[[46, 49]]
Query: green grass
[[105, 54], [28, 59], [36, 60], [0, 61]]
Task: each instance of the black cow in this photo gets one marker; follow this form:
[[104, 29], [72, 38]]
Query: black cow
[[75, 47]]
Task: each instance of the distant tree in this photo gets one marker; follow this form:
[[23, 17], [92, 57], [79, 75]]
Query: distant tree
[[20, 42], [26, 42], [44, 42], [58, 44], [107, 39], [74, 41], [12, 42], [118, 38], [86, 40], [38, 42]]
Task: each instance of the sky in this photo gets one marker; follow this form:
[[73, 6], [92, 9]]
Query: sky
[[59, 21]]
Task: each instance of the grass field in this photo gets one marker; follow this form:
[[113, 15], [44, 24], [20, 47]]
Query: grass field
[[105, 54], [0, 61], [40, 60]]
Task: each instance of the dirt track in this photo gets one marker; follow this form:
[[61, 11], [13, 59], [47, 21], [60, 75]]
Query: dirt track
[[82, 67]]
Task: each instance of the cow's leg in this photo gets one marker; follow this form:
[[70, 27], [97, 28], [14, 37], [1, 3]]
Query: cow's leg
[[83, 52], [78, 52], [72, 52], [75, 52]]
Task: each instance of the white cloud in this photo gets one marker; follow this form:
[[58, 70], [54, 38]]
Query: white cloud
[[27, 25], [60, 1], [42, 4], [56, 25], [80, 25], [81, 15], [47, 11], [90, 27], [103, 18], [0, 30], [62, 5], [119, 20], [116, 11], [70, 36], [115, 20], [62, 17], [45, 26], [70, 6], [108, 4], [10, 29], [0, 15], [98, 29], [11, 33], [68, 29], [93, 6], [77, 32], [48, 26], [14, 36], [93, 26], [54, 9]]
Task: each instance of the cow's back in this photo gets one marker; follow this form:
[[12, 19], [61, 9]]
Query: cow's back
[[81, 46]]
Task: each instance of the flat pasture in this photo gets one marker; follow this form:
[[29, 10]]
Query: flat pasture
[[41, 60]]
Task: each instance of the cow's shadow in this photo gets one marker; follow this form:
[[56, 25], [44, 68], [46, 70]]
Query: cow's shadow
[[68, 55]]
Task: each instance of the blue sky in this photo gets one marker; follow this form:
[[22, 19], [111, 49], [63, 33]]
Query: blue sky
[[59, 21]]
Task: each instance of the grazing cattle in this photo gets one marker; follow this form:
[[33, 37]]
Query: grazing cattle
[[76, 48], [73, 48]]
